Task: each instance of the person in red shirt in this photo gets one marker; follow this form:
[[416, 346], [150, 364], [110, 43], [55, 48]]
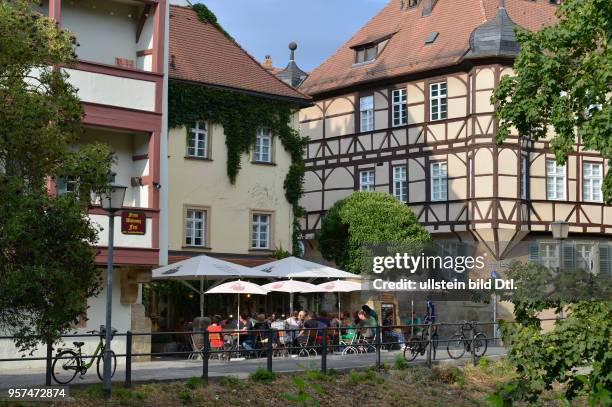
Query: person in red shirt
[[216, 341]]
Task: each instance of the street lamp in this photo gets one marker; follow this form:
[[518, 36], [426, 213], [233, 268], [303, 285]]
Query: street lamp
[[111, 201], [560, 229], [495, 276]]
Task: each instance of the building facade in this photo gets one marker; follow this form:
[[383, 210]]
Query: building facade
[[119, 77], [245, 221], [404, 108]]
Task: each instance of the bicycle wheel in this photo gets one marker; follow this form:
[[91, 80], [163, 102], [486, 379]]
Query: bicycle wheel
[[411, 350], [100, 364], [480, 344], [456, 346], [65, 370]]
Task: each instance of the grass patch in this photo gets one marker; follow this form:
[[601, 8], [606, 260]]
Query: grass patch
[[400, 363], [194, 382], [263, 375], [232, 382]]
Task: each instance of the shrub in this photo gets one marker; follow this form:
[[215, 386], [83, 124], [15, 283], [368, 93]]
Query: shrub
[[400, 363], [193, 382], [263, 375]]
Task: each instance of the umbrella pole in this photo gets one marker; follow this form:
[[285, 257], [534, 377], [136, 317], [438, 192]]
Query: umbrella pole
[[412, 315], [201, 297], [291, 304], [238, 324]]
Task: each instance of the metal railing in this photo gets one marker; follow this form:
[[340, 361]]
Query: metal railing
[[304, 341]]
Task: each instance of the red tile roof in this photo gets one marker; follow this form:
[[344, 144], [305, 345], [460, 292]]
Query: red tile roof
[[201, 53], [407, 52]]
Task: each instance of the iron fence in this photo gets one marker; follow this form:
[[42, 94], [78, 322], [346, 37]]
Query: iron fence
[[267, 343]]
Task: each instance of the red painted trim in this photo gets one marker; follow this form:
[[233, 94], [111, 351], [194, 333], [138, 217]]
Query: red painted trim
[[120, 71], [55, 7], [140, 157], [132, 256], [121, 118], [150, 212], [51, 186], [154, 177], [144, 52], [159, 27]]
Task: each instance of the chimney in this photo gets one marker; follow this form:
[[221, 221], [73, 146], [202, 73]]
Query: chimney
[[267, 62]]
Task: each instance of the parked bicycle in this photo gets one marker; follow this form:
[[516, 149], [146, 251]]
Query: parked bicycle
[[418, 344], [68, 362], [460, 343]]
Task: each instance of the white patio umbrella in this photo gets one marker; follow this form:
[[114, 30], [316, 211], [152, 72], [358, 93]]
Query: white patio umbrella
[[238, 287], [291, 287], [338, 286], [294, 267], [204, 268]]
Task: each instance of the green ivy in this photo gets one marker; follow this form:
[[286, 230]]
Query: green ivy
[[207, 16], [241, 115]]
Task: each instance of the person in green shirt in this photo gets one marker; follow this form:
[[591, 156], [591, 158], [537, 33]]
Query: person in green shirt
[[367, 324]]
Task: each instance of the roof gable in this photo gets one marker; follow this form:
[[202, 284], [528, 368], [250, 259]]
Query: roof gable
[[201, 53], [407, 51]]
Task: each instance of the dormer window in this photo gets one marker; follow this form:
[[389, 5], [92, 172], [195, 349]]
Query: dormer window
[[366, 54], [413, 3], [370, 50]]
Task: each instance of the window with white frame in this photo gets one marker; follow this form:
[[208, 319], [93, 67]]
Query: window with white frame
[[437, 101], [400, 190], [549, 255], [439, 181], [555, 180], [263, 146], [524, 165], [591, 182], [584, 256], [197, 142], [68, 185], [366, 113], [260, 227], [366, 180], [400, 108], [195, 227]]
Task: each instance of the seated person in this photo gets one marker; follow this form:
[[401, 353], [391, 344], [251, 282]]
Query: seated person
[[246, 337], [310, 324], [215, 333], [367, 325]]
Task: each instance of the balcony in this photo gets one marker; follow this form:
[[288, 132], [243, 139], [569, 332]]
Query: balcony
[[118, 50]]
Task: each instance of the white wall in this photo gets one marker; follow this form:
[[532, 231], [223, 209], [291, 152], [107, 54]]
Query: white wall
[[113, 90], [102, 36]]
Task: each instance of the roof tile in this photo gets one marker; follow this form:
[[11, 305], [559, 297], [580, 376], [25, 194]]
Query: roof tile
[[203, 54], [407, 51]]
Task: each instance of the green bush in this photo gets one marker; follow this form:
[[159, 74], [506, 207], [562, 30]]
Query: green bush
[[194, 382], [400, 363], [484, 362], [263, 375]]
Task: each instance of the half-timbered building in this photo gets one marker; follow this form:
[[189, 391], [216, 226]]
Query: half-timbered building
[[404, 107]]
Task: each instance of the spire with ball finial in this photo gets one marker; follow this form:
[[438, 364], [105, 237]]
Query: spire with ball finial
[[292, 74]]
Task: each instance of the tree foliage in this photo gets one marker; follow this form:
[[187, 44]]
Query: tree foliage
[[562, 81], [577, 352], [366, 218], [46, 255]]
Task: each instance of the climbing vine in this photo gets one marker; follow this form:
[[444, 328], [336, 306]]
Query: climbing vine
[[241, 115], [207, 16]]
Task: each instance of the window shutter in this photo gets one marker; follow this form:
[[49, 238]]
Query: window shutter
[[534, 252], [604, 260], [569, 255]]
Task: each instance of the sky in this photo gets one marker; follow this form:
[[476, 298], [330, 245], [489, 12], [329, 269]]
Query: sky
[[266, 27]]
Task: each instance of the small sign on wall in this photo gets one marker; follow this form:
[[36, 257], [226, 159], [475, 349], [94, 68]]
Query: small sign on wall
[[133, 223]]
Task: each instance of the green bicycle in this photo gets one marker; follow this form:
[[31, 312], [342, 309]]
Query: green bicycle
[[68, 362]]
